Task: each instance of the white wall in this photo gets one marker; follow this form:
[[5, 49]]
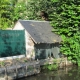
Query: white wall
[[28, 41], [18, 26]]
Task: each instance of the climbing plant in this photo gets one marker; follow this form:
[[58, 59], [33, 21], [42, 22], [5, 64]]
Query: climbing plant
[[66, 22]]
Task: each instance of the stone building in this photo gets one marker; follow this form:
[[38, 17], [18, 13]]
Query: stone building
[[41, 42]]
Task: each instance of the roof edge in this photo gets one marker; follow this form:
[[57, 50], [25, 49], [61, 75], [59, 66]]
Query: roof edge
[[32, 20]]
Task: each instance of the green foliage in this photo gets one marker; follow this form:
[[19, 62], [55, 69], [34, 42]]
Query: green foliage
[[2, 63], [34, 7], [19, 11], [51, 67], [25, 60], [66, 22], [10, 12], [4, 14]]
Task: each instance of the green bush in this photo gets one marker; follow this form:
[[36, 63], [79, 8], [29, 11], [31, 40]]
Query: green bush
[[50, 67], [66, 22]]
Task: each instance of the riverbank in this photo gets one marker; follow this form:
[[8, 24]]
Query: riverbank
[[18, 68], [66, 73]]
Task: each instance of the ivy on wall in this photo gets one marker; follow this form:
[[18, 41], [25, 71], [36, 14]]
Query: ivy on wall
[[66, 22]]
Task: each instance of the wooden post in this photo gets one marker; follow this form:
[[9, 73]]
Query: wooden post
[[6, 75], [16, 71]]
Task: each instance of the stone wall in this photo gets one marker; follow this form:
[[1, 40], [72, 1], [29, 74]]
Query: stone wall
[[18, 68], [14, 69], [30, 53]]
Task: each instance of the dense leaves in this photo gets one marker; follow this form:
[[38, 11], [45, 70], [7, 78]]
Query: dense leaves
[[4, 13], [34, 7], [19, 11], [66, 19], [10, 12]]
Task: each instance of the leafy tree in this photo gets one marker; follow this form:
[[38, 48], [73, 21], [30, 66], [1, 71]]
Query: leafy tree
[[66, 22], [10, 12], [19, 11], [4, 13]]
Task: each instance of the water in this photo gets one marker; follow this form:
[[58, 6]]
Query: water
[[70, 73]]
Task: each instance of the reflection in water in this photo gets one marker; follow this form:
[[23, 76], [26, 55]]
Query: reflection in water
[[64, 74]]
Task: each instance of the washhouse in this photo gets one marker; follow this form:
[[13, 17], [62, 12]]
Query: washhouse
[[40, 41]]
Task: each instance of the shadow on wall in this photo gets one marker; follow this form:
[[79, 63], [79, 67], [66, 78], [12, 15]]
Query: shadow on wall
[[45, 50]]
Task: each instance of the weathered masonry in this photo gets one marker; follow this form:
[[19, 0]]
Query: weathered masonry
[[19, 70], [12, 43], [41, 42]]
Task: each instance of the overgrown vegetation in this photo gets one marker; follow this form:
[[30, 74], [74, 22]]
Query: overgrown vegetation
[[10, 12], [63, 14], [51, 67], [66, 22], [2, 63], [34, 8], [4, 14]]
